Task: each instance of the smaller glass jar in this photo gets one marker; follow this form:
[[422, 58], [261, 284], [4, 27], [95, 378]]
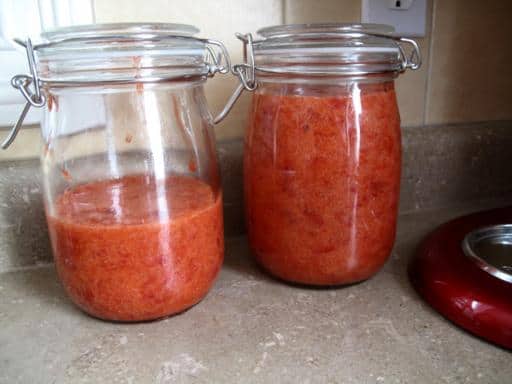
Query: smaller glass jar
[[131, 181], [322, 149]]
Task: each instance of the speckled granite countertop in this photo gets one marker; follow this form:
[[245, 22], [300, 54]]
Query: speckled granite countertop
[[249, 329]]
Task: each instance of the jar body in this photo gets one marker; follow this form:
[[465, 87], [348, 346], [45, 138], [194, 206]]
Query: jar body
[[321, 178], [132, 197]]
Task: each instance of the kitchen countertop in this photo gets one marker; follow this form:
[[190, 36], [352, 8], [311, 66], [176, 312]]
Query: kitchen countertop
[[251, 329]]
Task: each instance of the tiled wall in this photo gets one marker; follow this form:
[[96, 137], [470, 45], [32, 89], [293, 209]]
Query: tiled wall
[[465, 77], [470, 75]]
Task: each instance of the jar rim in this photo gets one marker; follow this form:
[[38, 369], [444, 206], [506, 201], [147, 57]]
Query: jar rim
[[279, 30], [111, 29]]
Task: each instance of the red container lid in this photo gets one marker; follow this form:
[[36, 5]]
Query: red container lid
[[464, 286]]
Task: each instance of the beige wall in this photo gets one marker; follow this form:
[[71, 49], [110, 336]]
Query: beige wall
[[466, 53]]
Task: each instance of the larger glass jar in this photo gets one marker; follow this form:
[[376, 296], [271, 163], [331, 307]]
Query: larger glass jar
[[322, 150], [132, 192]]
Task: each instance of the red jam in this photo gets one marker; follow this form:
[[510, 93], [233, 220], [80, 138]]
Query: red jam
[[322, 175], [135, 248]]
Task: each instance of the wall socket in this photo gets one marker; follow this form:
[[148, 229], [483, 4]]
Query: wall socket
[[407, 16], [402, 5]]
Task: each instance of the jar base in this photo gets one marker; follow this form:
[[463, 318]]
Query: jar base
[[148, 319], [313, 283]]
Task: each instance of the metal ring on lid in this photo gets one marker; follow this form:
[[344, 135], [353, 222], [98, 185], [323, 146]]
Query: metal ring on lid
[[491, 250]]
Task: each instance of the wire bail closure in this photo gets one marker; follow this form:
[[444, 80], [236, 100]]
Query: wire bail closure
[[246, 73], [34, 97], [30, 85], [220, 63], [413, 61]]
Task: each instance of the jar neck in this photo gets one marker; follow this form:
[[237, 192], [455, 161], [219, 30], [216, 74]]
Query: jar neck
[[83, 76], [325, 88], [265, 78], [106, 88]]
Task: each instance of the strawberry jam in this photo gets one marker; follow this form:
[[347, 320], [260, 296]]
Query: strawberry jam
[[137, 248], [321, 180]]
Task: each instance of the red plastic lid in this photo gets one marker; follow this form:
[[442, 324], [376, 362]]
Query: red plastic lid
[[457, 286]]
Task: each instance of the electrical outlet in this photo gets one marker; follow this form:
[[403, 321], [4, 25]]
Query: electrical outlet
[[407, 16], [400, 5]]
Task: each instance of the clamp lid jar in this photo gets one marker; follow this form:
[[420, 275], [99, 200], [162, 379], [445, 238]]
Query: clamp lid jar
[[132, 191], [322, 149]]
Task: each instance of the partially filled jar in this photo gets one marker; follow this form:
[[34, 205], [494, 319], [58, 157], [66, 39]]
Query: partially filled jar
[[322, 150], [132, 191]]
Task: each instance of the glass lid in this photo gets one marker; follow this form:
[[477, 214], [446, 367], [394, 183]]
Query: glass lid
[[92, 31], [127, 52], [330, 48], [296, 29]]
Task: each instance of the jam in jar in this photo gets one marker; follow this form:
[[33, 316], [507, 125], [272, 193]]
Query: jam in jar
[[131, 181], [322, 151]]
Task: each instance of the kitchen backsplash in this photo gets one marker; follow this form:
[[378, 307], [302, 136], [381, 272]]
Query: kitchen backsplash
[[463, 77], [456, 114], [444, 166]]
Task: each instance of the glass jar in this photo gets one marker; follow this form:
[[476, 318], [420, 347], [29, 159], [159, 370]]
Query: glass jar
[[131, 182], [322, 149]]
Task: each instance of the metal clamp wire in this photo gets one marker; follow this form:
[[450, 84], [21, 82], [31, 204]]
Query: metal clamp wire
[[218, 57], [246, 71], [217, 51], [33, 70], [22, 82], [410, 62], [34, 99]]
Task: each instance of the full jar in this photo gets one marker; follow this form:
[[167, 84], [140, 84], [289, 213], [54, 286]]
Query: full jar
[[131, 181], [322, 149]]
